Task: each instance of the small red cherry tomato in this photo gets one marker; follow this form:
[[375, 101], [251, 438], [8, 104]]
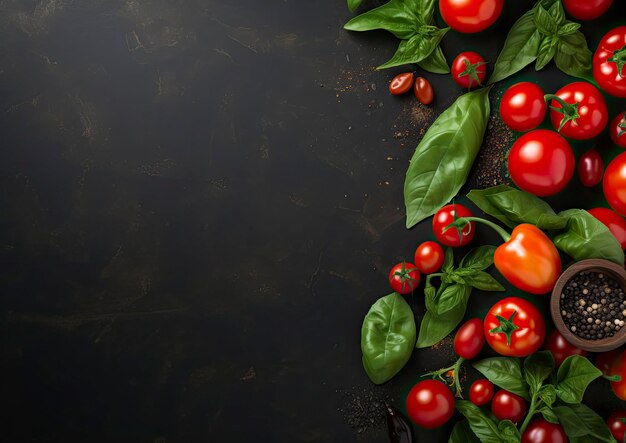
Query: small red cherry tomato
[[468, 69], [429, 257], [470, 15], [608, 62], [586, 9], [423, 91], [561, 348], [430, 404], [579, 111], [522, 107], [617, 424], [469, 339], [614, 183], [613, 221], [481, 392], [590, 168], [404, 278], [450, 237], [401, 83], [617, 129], [604, 360], [542, 431], [619, 368], [508, 406]]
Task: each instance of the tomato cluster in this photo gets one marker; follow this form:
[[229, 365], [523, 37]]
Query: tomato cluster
[[402, 83]]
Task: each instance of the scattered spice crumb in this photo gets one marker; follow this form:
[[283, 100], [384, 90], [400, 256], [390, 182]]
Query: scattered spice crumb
[[490, 167], [363, 409]]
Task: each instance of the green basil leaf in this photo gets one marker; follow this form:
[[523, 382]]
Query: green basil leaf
[[481, 425], [538, 367], [461, 433], [417, 48], [435, 62], [387, 337], [448, 261], [557, 13], [575, 374], [451, 297], [505, 372], [425, 10], [549, 415], [568, 28], [479, 258], [547, 394], [509, 432], [573, 57], [395, 17], [442, 161], [586, 237], [483, 281], [435, 328], [582, 424], [547, 49], [353, 4], [545, 23], [429, 295]]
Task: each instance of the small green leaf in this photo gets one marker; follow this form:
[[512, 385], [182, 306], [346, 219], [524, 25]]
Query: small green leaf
[[568, 28], [505, 372], [545, 23], [479, 258], [557, 13], [509, 432], [549, 415], [429, 295], [574, 375], [435, 328], [572, 56], [435, 62], [452, 296], [448, 261], [393, 16], [538, 367], [354, 4], [416, 49], [547, 394], [547, 49], [483, 281], [481, 425], [461, 433]]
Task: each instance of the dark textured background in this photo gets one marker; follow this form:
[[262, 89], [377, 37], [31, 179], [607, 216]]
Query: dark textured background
[[199, 202]]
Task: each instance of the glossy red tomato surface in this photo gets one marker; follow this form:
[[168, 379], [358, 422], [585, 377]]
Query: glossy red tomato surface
[[481, 392], [561, 348], [541, 162], [619, 368], [469, 339], [404, 278], [604, 360], [470, 15], [607, 72], [468, 69], [590, 168], [617, 129], [586, 9], [423, 91], [617, 424], [522, 331], [401, 83], [522, 107], [613, 221], [450, 237], [429, 257], [508, 406], [614, 183], [430, 404], [542, 431], [593, 114]]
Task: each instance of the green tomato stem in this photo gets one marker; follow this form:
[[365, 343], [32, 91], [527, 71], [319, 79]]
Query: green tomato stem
[[501, 231], [534, 404], [569, 111], [455, 369]]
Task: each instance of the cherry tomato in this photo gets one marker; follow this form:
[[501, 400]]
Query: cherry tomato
[[468, 69], [429, 257], [617, 129], [450, 237], [401, 83], [613, 221], [586, 121], [541, 162], [423, 91], [508, 406], [561, 348], [404, 278], [590, 168], [617, 424], [608, 62], [614, 183], [470, 15], [514, 327], [604, 360], [619, 368], [522, 107], [586, 9], [481, 392], [542, 431], [430, 404], [469, 339]]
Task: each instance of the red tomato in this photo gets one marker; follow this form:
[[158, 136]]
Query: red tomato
[[468, 69], [609, 60], [542, 431], [401, 83], [614, 183], [522, 107], [590, 168], [617, 424], [450, 237], [508, 406], [423, 91], [617, 129], [604, 360], [514, 327], [619, 368], [470, 15], [541, 162], [561, 348], [430, 404], [613, 221], [481, 392], [404, 278], [579, 112], [429, 257], [469, 339], [586, 9]]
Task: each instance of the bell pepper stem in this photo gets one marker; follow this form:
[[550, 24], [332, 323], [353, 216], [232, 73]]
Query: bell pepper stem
[[501, 231]]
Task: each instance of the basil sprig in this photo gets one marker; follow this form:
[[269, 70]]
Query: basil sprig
[[540, 35], [413, 22]]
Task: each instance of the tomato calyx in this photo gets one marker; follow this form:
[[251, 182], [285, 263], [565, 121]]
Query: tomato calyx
[[619, 58], [405, 276], [459, 223], [471, 72], [507, 327], [450, 376], [569, 111], [622, 126]]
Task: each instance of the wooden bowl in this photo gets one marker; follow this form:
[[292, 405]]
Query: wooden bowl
[[595, 265]]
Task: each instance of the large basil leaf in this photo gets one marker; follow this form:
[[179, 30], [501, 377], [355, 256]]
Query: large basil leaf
[[574, 376], [452, 296], [505, 372], [461, 433], [444, 157], [353, 4], [417, 48], [481, 425], [538, 367], [586, 237], [479, 258], [582, 424], [387, 337], [573, 56], [435, 328], [395, 17]]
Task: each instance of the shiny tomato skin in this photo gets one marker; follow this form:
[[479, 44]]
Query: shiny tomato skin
[[460, 64], [541, 162], [481, 392], [606, 72], [617, 129], [429, 257], [604, 360], [617, 425], [430, 404], [401, 83], [470, 16], [613, 221], [404, 278], [619, 368], [469, 339], [594, 114], [530, 332], [561, 348], [444, 217], [586, 9], [542, 431], [614, 184], [590, 168], [508, 406], [423, 91], [522, 107]]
